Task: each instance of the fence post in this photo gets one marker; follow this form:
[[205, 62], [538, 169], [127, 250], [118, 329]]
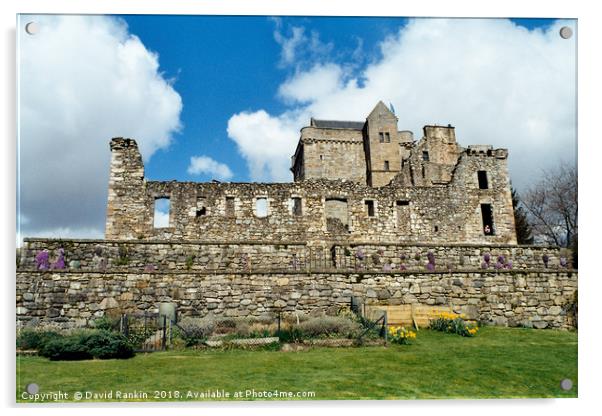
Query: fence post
[[385, 324], [164, 340], [279, 324]]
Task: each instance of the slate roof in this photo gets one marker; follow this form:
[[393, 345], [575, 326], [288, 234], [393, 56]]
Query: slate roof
[[337, 124]]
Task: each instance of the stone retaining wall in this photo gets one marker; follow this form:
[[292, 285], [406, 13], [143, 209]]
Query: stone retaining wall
[[539, 298], [126, 255]]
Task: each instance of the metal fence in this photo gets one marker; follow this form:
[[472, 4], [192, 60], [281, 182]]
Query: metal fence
[[148, 332]]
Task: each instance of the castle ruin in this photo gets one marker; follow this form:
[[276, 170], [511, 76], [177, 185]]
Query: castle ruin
[[368, 207]]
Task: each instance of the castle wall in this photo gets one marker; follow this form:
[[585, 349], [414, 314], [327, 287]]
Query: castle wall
[[71, 299], [434, 214], [139, 255]]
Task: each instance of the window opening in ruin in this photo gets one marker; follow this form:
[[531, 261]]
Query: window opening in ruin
[[370, 208], [436, 228], [296, 206], [386, 165], [201, 209], [229, 206], [425, 155], [387, 138], [261, 207], [321, 157], [487, 215], [482, 175], [381, 137], [161, 213], [402, 203]]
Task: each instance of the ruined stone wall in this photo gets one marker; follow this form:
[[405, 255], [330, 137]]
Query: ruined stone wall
[[531, 298], [141, 255]]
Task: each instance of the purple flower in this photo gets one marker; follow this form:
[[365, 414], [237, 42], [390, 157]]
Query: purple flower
[[545, 259], [386, 267], [498, 266], [487, 258], [402, 256], [431, 257], [42, 262], [402, 267], [360, 255], [508, 265], [60, 262], [484, 265], [501, 259], [430, 267], [563, 262]]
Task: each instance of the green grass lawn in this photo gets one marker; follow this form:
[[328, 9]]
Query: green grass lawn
[[497, 363]]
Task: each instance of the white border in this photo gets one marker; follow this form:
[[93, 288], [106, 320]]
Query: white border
[[589, 151]]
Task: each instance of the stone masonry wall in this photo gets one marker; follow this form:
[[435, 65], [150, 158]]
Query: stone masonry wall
[[138, 255], [435, 214], [539, 298]]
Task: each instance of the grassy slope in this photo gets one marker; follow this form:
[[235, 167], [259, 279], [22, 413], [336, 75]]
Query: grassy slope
[[497, 363]]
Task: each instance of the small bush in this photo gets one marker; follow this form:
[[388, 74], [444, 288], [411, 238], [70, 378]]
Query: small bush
[[196, 330], [105, 344], [65, 349], [31, 339], [329, 325], [106, 323], [87, 344]]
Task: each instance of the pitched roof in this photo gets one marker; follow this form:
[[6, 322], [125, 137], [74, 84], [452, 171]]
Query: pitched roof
[[337, 124]]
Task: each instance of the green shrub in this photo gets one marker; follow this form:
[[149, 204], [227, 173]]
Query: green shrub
[[329, 325], [290, 334], [106, 323], [196, 330], [87, 344], [32, 339], [105, 344], [65, 349]]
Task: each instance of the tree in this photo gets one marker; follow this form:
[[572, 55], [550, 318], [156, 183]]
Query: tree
[[551, 206], [524, 234]]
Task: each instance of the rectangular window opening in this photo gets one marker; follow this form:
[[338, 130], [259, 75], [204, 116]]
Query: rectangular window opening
[[482, 175], [487, 215], [387, 138], [381, 137], [370, 208], [261, 207], [296, 206], [230, 206], [402, 203], [161, 212], [425, 155], [386, 165]]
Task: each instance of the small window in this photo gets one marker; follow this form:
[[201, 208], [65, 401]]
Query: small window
[[261, 207], [161, 214], [387, 138], [381, 137], [201, 206], [321, 157], [402, 203], [386, 165], [370, 208], [230, 206], [425, 155], [436, 228], [487, 216], [296, 206], [482, 175]]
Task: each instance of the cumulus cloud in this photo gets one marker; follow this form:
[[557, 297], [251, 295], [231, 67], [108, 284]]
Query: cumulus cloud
[[298, 45], [204, 164], [83, 80], [497, 82]]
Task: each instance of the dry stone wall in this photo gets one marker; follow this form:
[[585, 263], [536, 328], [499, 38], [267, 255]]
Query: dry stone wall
[[539, 298]]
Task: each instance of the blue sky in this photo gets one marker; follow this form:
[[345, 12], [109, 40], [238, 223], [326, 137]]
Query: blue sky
[[226, 64], [225, 96]]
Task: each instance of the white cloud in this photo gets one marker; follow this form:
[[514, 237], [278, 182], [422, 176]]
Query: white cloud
[[496, 82], [204, 164], [298, 45], [82, 81]]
